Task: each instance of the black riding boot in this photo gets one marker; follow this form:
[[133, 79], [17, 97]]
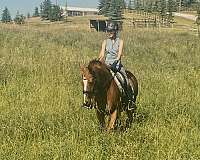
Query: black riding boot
[[130, 102]]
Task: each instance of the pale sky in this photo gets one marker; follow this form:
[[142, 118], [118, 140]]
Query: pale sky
[[25, 6]]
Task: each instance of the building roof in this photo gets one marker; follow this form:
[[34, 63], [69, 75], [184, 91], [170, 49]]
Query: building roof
[[81, 9]]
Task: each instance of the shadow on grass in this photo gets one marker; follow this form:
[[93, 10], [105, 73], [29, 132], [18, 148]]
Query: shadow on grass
[[141, 117]]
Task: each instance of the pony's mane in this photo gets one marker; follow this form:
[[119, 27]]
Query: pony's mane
[[97, 64]]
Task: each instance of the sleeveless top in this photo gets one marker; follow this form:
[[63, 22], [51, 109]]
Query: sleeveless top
[[112, 50]]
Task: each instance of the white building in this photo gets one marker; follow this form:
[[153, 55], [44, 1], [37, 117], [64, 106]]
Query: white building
[[77, 11]]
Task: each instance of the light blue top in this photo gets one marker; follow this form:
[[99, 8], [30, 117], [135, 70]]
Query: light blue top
[[112, 50]]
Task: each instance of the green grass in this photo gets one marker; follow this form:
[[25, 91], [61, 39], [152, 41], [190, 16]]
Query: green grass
[[41, 94]]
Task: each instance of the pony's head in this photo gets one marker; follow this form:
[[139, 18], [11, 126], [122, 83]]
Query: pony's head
[[95, 80], [88, 86]]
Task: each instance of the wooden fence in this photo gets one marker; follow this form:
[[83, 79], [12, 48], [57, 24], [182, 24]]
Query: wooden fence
[[151, 22]]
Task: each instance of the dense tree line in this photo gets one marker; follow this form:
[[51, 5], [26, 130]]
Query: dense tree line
[[152, 5], [163, 8]]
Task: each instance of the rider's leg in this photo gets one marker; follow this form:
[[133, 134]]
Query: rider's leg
[[122, 70], [128, 90]]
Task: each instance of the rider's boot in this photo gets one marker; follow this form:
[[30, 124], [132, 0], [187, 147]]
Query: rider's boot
[[130, 103]]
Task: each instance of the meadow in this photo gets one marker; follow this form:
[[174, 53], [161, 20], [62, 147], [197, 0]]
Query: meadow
[[41, 95]]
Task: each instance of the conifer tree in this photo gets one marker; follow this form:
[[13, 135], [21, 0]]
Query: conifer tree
[[112, 8], [36, 12], [131, 5], [138, 5], [170, 9], [6, 16], [45, 9], [116, 10], [55, 13], [107, 8], [19, 18], [102, 7], [28, 15], [162, 9]]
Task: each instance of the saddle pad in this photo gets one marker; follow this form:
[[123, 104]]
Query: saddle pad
[[119, 80]]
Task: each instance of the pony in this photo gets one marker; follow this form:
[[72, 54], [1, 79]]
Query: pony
[[101, 91]]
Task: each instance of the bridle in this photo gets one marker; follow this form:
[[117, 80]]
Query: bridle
[[92, 92]]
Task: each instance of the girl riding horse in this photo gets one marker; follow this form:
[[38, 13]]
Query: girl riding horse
[[111, 52], [100, 89]]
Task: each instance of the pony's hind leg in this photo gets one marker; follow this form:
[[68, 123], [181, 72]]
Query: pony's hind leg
[[111, 123], [129, 121]]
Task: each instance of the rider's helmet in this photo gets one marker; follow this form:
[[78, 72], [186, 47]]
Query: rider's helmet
[[112, 27]]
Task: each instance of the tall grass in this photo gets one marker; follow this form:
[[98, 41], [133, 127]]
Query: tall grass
[[40, 89]]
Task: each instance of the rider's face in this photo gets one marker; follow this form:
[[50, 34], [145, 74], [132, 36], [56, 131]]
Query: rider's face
[[111, 34]]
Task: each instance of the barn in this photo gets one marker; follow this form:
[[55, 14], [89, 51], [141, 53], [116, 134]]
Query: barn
[[78, 11]]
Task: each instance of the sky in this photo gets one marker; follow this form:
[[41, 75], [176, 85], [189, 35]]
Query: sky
[[27, 6]]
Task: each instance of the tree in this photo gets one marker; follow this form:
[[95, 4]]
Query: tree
[[149, 7], [19, 18], [116, 10], [111, 8], [36, 12], [45, 9], [102, 7], [138, 5], [155, 6], [170, 9], [28, 15], [56, 13], [130, 5], [107, 8], [6, 16], [162, 9]]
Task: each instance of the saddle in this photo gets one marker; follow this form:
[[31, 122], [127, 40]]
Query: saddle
[[125, 88], [121, 82]]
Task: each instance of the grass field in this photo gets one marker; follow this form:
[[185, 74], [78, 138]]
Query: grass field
[[41, 94]]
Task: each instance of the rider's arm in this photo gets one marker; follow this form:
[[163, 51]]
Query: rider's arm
[[120, 50], [102, 52]]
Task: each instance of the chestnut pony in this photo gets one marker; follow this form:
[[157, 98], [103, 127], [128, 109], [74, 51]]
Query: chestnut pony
[[101, 91]]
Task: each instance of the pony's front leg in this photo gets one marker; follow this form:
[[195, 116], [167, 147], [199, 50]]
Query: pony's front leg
[[101, 118], [111, 123]]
